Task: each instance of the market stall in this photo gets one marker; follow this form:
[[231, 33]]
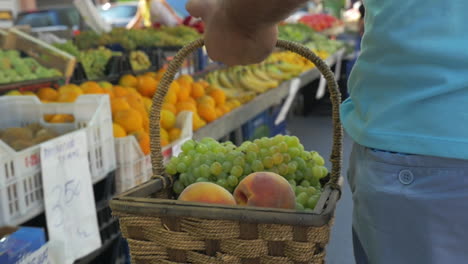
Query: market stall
[[76, 124]]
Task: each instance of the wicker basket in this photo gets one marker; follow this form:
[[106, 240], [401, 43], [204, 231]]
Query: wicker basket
[[160, 229]]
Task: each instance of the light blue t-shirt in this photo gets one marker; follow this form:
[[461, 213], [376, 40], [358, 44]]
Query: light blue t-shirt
[[409, 87]]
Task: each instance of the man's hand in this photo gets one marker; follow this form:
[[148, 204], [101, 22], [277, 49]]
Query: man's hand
[[230, 39]]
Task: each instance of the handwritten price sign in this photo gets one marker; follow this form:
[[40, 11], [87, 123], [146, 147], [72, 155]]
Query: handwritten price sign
[[68, 194]]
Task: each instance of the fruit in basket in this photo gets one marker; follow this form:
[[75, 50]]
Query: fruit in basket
[[207, 112], [265, 189], [206, 192], [129, 119], [119, 131], [118, 104], [227, 165], [198, 90]]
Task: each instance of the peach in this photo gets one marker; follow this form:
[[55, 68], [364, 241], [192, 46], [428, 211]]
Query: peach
[[207, 192], [265, 189]]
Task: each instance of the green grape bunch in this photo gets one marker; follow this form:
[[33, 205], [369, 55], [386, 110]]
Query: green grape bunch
[[226, 165]]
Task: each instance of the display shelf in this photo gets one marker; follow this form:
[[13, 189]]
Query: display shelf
[[235, 119]]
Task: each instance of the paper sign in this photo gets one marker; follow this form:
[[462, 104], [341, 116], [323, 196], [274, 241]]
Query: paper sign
[[68, 195], [50, 253], [338, 57], [294, 87]]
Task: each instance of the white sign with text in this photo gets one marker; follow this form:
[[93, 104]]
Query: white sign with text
[[68, 195]]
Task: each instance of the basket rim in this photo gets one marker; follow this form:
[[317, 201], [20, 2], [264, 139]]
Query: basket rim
[[133, 202]]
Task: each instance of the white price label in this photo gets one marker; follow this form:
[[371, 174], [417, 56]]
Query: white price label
[[68, 194]]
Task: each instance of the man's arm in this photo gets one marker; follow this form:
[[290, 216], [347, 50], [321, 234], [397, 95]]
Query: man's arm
[[241, 31]]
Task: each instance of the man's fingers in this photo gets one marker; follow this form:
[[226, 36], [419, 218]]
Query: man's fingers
[[200, 8]]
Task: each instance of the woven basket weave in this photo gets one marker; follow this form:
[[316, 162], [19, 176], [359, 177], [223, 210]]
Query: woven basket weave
[[160, 229]]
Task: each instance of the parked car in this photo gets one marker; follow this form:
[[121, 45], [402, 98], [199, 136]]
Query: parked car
[[63, 21], [119, 14]]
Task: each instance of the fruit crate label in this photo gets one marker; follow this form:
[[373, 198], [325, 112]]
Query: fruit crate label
[[50, 253], [68, 195]]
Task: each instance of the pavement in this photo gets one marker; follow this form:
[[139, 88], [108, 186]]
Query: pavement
[[315, 133]]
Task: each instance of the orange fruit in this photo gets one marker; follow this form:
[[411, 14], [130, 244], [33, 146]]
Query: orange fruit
[[185, 79], [151, 74], [164, 134], [219, 96], [184, 92], [128, 80], [204, 83], [48, 117], [207, 112], [47, 94], [206, 100], [106, 85], [118, 104], [171, 97], [91, 88], [170, 107], [219, 112], [70, 88], [197, 122], [129, 119], [147, 85], [62, 118], [119, 132], [186, 106], [68, 97], [143, 140], [168, 119], [224, 108], [148, 103], [119, 91], [197, 90], [28, 93], [175, 87], [164, 142], [174, 134], [190, 100]]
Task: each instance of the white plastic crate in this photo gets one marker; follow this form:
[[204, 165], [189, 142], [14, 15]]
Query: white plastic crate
[[21, 195], [133, 167]]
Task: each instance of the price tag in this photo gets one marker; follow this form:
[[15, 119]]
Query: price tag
[[294, 87], [50, 253], [68, 195]]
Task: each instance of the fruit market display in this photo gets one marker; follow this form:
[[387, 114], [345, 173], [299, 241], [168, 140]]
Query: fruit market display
[[94, 61], [320, 22], [131, 103], [308, 37], [244, 82], [138, 38], [230, 167], [14, 68], [19, 138], [206, 102]]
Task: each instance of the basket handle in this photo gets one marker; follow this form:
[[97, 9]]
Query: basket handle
[[176, 63]]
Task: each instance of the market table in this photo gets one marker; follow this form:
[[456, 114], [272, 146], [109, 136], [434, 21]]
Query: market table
[[234, 120]]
